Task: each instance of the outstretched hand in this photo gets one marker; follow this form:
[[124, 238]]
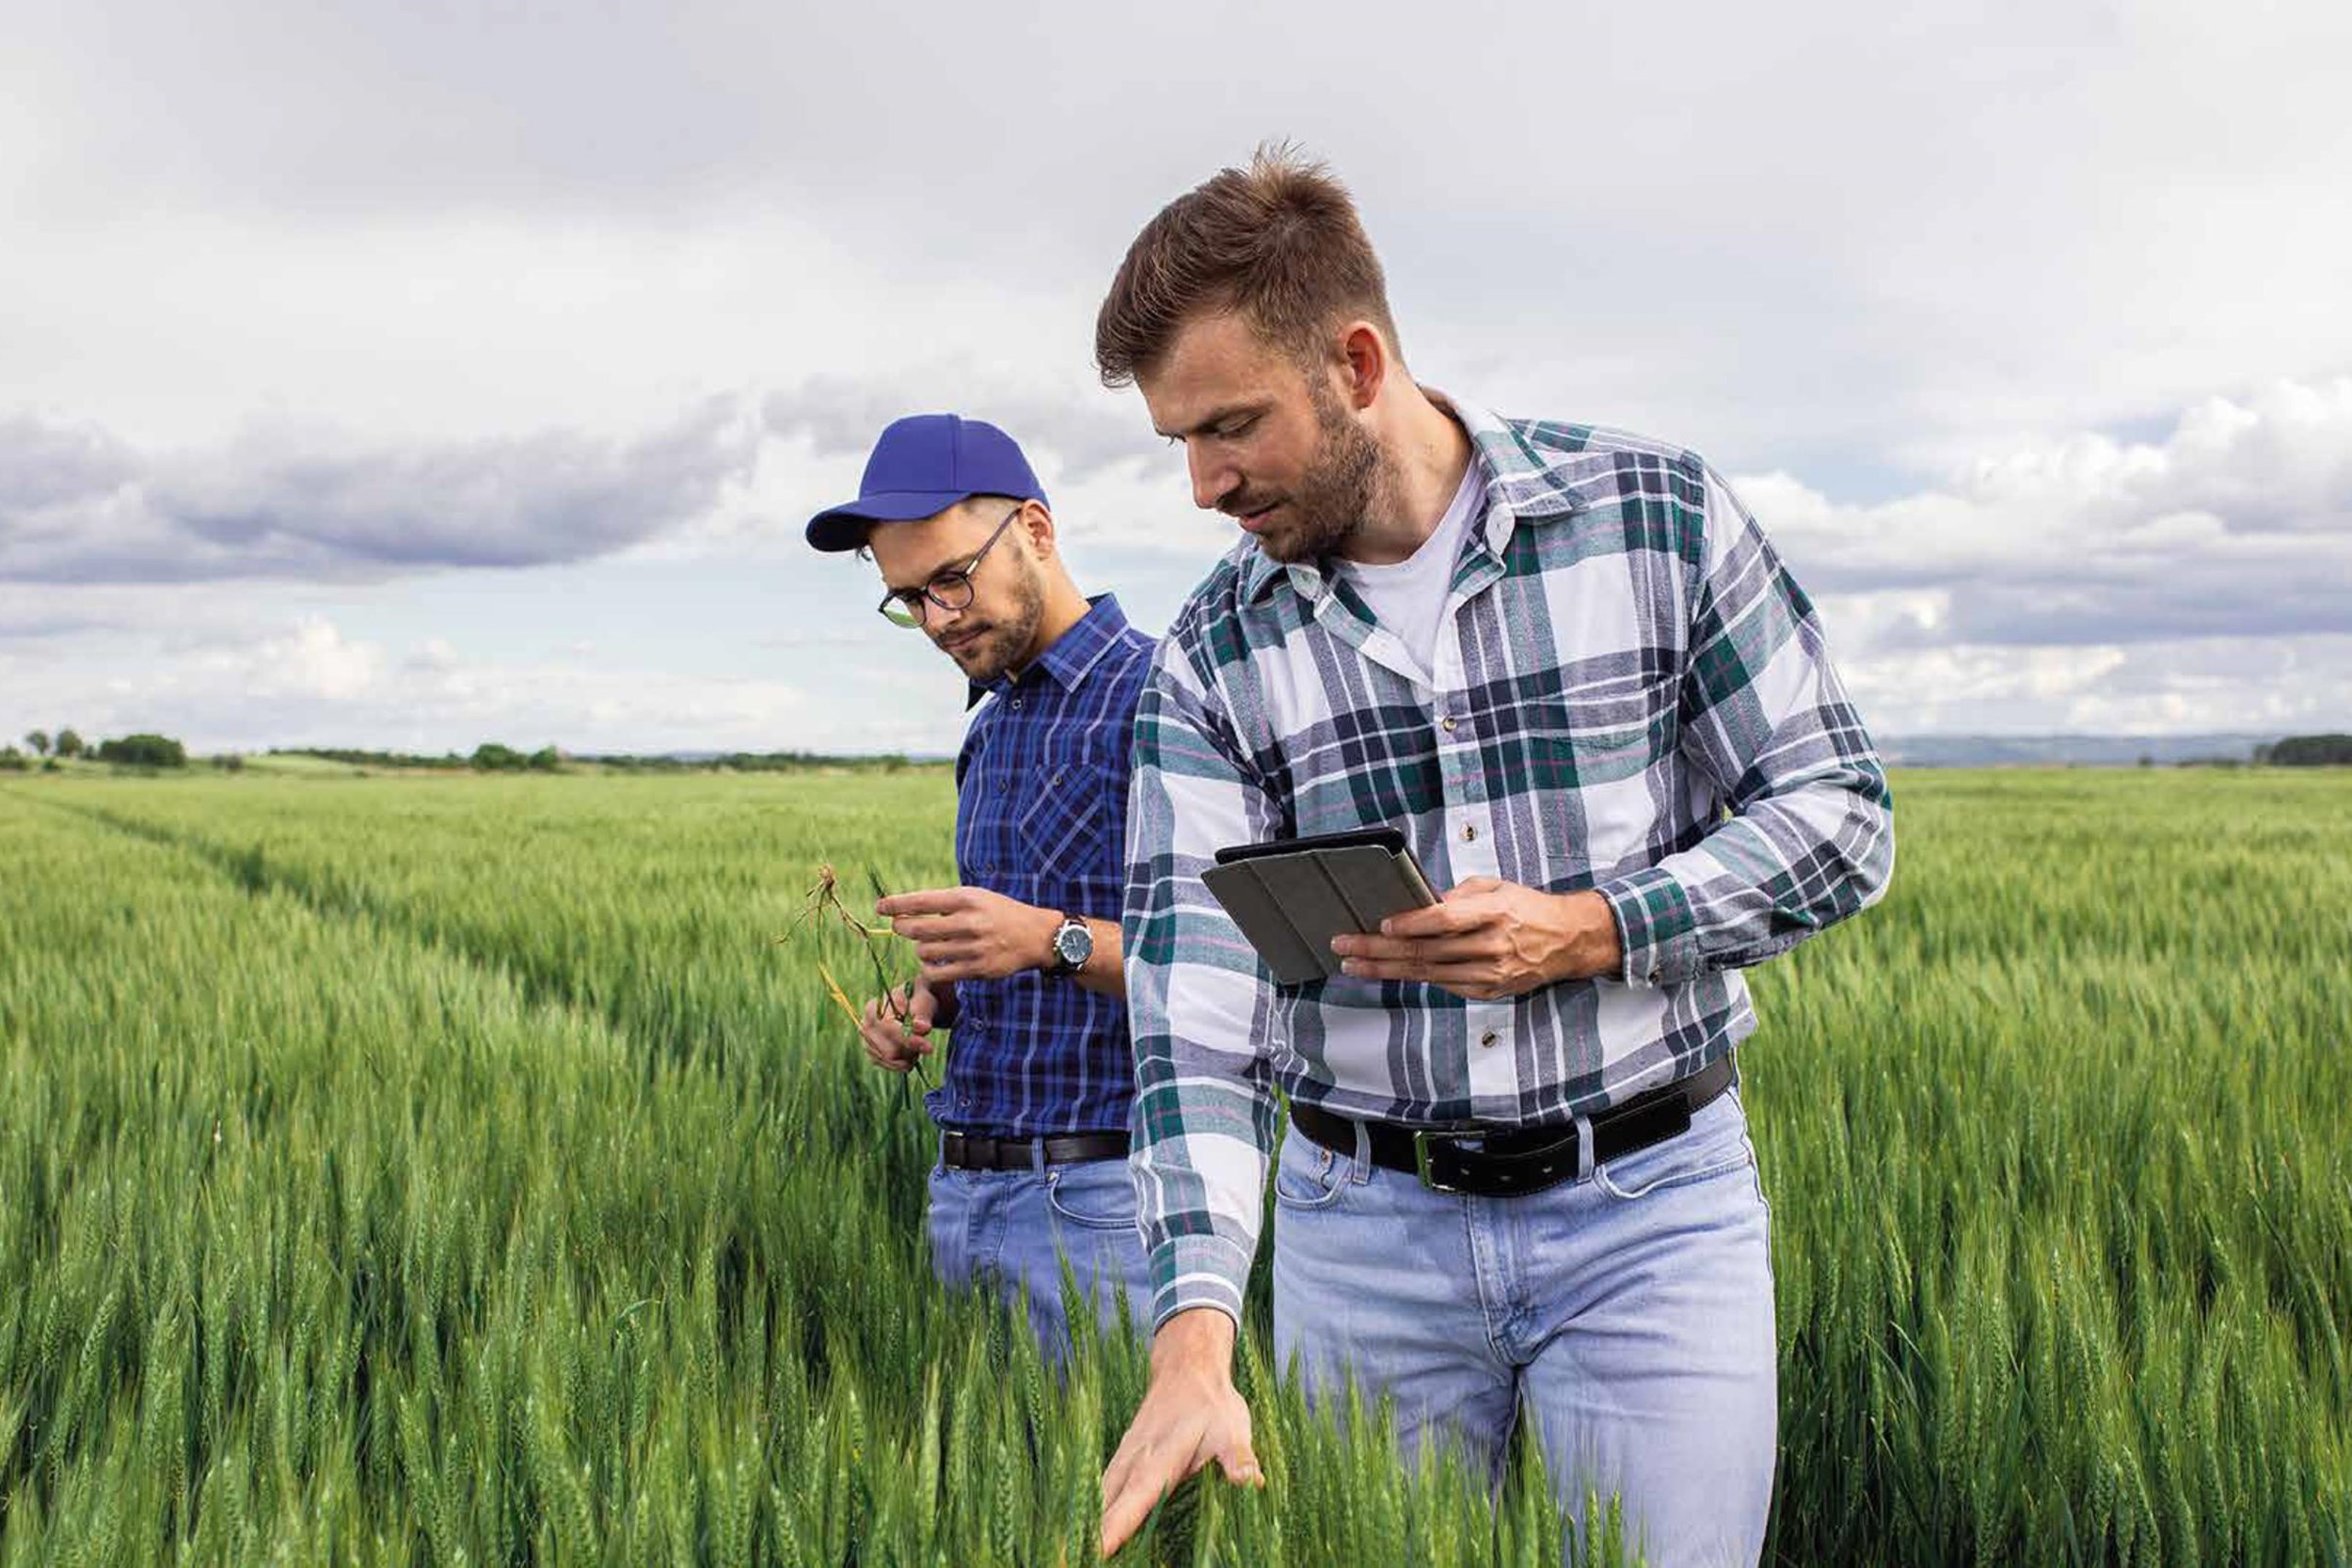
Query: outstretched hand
[[1190, 1418]]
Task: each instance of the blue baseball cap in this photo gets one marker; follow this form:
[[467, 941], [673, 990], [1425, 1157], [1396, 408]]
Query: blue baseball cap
[[923, 465]]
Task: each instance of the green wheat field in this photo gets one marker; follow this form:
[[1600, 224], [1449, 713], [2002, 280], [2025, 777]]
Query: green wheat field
[[440, 1170]]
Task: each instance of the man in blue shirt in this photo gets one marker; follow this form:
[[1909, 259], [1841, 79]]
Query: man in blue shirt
[[1022, 960]]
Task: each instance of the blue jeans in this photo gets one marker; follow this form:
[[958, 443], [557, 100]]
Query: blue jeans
[[1628, 1313], [1010, 1230]]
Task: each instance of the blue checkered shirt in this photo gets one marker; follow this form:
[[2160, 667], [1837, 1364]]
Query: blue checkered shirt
[[1630, 694], [1042, 817]]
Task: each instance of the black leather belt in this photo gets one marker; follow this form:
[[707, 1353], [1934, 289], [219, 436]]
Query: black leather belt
[[1509, 1162], [966, 1152]]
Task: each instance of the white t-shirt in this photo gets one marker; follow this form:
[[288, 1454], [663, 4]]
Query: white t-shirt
[[1408, 598]]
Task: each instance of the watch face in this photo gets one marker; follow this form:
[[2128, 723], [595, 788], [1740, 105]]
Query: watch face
[[1073, 944]]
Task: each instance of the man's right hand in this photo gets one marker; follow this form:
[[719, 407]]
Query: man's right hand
[[892, 1044], [1191, 1414]]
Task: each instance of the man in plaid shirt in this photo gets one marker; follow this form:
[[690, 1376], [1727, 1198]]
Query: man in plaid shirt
[[1565, 663]]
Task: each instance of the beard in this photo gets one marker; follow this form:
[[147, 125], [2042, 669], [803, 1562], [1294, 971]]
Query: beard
[[1347, 481], [1001, 643]]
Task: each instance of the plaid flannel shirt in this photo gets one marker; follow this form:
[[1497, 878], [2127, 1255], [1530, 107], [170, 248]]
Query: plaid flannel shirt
[[1629, 693], [1041, 785]]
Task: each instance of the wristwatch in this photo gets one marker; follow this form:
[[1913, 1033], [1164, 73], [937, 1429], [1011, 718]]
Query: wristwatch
[[1073, 944]]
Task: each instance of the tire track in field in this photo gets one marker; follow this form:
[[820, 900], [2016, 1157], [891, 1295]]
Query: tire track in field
[[328, 896]]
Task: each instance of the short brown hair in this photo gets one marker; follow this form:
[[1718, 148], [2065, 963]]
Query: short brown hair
[[1279, 242]]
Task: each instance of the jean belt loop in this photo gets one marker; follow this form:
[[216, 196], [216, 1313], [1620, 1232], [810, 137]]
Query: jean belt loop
[[1036, 1156], [1359, 1166], [1584, 1148]]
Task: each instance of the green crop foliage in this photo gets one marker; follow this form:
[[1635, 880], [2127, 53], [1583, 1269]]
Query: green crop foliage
[[455, 1169]]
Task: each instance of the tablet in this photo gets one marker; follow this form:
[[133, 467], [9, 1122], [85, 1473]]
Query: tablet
[[1291, 896], [1390, 839]]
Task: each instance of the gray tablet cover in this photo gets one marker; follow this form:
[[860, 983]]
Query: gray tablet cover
[[1290, 907]]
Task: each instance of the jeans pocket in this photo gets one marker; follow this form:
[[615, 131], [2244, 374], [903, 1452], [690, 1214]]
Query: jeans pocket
[[1715, 1146], [1307, 1175], [1092, 1202]]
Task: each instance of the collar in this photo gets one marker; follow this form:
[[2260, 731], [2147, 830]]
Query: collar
[[1518, 490], [1072, 656]]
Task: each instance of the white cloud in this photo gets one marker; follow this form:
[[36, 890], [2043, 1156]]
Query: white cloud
[[311, 660], [306, 683], [2207, 686], [2238, 523], [362, 300]]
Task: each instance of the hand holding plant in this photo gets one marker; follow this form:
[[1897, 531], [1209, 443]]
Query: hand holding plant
[[912, 1009], [896, 1026]]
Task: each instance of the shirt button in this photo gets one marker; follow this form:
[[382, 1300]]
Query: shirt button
[[1469, 832], [1447, 723], [1488, 1037]]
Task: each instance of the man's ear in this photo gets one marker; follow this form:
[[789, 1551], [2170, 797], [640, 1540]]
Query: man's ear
[[1363, 364], [1039, 522]]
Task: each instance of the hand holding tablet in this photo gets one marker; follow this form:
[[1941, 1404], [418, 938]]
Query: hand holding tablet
[[1291, 896]]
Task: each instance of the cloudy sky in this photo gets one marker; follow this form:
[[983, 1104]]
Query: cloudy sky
[[416, 374]]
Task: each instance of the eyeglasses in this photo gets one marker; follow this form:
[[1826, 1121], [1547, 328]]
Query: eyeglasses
[[950, 590]]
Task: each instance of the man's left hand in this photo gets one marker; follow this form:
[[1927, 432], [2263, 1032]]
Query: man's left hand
[[1489, 940], [969, 933]]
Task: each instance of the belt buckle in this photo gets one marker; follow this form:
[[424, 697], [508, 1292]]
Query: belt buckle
[[1421, 1165]]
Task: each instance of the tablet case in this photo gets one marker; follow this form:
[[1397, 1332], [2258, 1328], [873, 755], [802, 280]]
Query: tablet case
[[1291, 896]]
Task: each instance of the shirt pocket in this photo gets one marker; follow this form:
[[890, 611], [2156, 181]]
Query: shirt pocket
[[1065, 830], [1591, 751]]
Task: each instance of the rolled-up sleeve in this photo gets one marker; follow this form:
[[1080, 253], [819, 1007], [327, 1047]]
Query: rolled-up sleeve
[[1808, 838], [1198, 1001]]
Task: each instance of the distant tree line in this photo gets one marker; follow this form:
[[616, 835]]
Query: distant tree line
[[751, 762], [496, 757], [368, 759], [131, 751], [143, 750], [161, 750], [67, 743], [491, 757], [2308, 751]]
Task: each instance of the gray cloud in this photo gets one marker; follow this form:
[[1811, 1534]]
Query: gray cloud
[[44, 463], [2239, 524], [2160, 605], [417, 215], [78, 506], [2136, 208]]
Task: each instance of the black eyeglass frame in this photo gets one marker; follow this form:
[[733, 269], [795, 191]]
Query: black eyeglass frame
[[910, 607]]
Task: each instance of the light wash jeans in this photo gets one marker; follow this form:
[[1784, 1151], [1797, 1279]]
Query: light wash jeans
[[1009, 1230], [1629, 1313]]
